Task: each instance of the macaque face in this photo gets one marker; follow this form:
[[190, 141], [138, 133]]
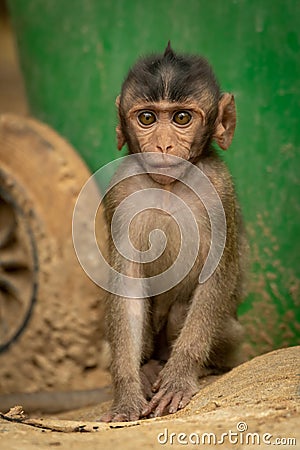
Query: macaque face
[[165, 129], [170, 107]]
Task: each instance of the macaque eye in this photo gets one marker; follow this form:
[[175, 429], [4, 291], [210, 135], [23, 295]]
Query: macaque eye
[[147, 118], [182, 117]]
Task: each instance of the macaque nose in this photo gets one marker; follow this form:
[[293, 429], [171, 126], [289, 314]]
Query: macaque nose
[[164, 148]]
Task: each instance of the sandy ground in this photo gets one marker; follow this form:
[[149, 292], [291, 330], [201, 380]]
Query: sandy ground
[[253, 406]]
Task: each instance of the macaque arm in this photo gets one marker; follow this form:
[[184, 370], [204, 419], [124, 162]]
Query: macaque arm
[[126, 318], [177, 381]]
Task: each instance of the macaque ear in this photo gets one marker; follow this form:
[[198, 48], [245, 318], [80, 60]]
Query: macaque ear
[[226, 121], [121, 141]]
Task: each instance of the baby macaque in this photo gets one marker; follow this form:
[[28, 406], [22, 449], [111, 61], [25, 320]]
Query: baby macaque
[[168, 330]]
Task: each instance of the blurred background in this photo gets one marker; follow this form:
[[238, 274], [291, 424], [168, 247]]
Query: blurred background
[[63, 63]]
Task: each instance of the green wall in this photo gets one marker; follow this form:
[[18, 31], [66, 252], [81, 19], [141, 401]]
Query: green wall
[[75, 55]]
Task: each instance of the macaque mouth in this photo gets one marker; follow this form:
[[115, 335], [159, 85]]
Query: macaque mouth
[[164, 165], [158, 161]]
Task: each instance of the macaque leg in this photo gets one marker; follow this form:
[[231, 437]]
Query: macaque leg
[[178, 380]]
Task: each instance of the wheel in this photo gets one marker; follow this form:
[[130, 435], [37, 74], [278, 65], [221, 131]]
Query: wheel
[[18, 269], [50, 311]]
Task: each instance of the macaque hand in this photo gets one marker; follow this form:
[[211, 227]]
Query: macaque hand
[[171, 395]]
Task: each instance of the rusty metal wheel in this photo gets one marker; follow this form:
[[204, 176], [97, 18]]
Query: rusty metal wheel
[[18, 270], [50, 313]]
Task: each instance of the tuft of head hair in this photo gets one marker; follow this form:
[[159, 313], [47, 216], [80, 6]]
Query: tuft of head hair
[[174, 77], [168, 50]]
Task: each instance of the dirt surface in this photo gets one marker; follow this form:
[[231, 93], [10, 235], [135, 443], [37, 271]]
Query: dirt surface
[[257, 402]]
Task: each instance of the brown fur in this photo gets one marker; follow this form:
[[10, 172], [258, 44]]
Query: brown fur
[[192, 329]]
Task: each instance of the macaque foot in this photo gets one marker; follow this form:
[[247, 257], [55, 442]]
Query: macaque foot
[[122, 416], [170, 397], [149, 374], [125, 413]]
